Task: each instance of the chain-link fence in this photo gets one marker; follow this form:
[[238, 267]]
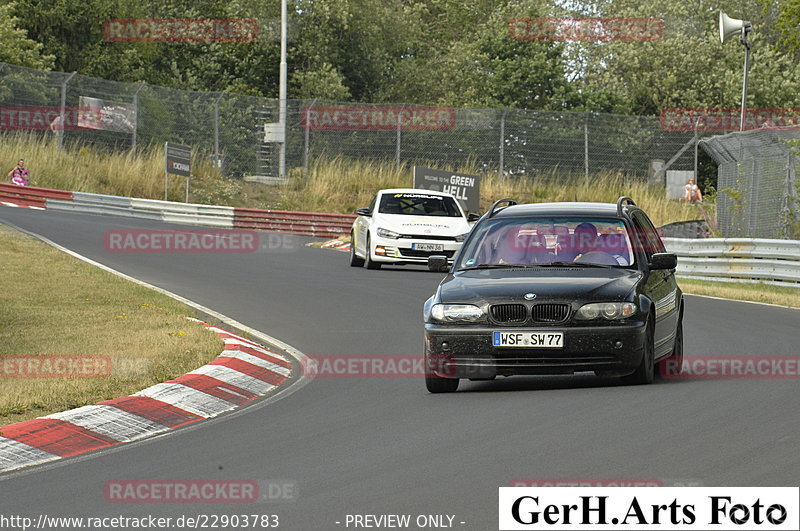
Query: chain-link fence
[[228, 129], [756, 183]]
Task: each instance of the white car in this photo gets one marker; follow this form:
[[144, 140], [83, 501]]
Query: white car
[[406, 226]]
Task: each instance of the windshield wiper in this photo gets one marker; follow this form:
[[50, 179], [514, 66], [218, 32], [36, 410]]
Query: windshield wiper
[[576, 264], [495, 266]]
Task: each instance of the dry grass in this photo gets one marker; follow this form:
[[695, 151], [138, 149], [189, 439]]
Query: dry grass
[[335, 184], [743, 291], [342, 185], [56, 305]]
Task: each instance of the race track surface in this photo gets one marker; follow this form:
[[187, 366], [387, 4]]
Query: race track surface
[[386, 446]]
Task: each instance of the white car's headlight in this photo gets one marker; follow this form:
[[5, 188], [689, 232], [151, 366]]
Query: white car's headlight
[[385, 233], [607, 310], [462, 237], [454, 313]]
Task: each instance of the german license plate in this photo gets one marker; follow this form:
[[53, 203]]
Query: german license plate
[[427, 246], [528, 339]]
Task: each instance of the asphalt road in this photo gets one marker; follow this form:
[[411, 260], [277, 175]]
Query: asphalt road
[[386, 446]]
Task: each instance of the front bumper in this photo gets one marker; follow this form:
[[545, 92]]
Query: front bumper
[[401, 250], [467, 352]]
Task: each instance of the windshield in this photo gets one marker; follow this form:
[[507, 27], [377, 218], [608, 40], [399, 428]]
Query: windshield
[[415, 204], [543, 241]]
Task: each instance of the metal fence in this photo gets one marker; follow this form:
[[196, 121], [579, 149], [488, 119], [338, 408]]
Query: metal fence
[[756, 183], [228, 129]]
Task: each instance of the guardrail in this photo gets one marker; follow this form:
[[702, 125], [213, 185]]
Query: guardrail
[[303, 223], [738, 259]]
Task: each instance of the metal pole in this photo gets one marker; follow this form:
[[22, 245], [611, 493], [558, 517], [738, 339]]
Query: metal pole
[[586, 149], [696, 141], [166, 172], [187, 188], [502, 143], [136, 117], [307, 140], [745, 29], [63, 109], [398, 136], [217, 162], [282, 94]]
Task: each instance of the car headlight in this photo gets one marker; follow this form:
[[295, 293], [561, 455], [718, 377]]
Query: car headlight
[[385, 233], [606, 310], [462, 237], [455, 313]]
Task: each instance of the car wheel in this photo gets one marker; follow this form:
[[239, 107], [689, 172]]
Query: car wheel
[[645, 372], [672, 364], [368, 260], [437, 384], [355, 261]]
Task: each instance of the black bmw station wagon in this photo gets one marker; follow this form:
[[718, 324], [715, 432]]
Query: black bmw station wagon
[[555, 288]]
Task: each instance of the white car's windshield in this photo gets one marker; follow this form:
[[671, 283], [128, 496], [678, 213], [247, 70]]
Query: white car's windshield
[[534, 241], [417, 204]]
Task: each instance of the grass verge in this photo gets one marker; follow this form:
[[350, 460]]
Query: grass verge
[[54, 305], [743, 291]]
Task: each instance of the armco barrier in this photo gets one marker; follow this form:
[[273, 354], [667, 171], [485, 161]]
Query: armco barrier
[[738, 259], [304, 223], [307, 223]]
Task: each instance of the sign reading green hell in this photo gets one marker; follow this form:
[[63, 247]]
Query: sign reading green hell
[[464, 187]]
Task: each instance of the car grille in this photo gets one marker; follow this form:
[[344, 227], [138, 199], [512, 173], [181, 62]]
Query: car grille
[[550, 313], [413, 253], [509, 313]]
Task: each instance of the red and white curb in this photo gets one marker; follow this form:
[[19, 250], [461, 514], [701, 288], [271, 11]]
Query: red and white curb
[[336, 245], [244, 371], [18, 205]]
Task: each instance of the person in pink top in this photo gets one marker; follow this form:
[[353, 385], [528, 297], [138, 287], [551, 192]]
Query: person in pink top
[[19, 174]]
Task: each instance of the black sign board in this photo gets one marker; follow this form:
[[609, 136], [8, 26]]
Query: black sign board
[[466, 188], [177, 158]]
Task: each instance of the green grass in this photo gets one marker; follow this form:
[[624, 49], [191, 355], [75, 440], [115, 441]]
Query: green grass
[[743, 291], [55, 305], [335, 184]]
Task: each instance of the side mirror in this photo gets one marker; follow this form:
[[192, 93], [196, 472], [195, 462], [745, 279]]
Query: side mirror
[[663, 261], [438, 263], [364, 212], [473, 217]]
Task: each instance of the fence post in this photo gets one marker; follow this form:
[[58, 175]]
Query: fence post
[[503, 143], [398, 136], [307, 140], [61, 123], [136, 117], [217, 161], [586, 148]]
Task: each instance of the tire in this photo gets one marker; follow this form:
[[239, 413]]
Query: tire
[[436, 384], [645, 372], [355, 261], [368, 260], [674, 362]]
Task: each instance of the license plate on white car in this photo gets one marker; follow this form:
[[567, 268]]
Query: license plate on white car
[[427, 246], [528, 339]]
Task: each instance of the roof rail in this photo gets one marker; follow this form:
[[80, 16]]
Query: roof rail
[[621, 202], [494, 208]]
